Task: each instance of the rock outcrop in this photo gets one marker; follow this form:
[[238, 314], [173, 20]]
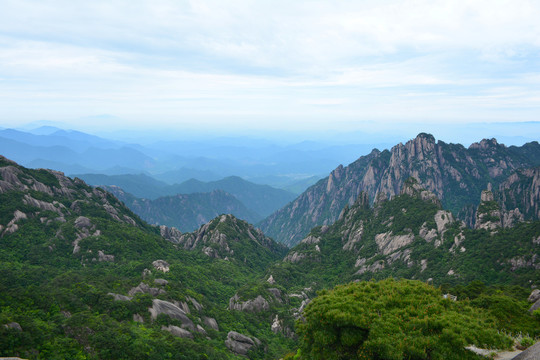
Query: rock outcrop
[[488, 214], [521, 191], [171, 310], [252, 305], [178, 331], [454, 174], [240, 344]]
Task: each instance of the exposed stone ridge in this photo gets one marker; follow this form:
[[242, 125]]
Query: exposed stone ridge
[[488, 214], [252, 305], [69, 194], [212, 238], [521, 191], [449, 171]]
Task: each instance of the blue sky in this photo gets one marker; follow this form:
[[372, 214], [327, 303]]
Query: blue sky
[[272, 66]]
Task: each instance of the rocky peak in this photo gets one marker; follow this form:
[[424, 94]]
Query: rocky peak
[[521, 191], [413, 188], [226, 237], [485, 144], [454, 174], [488, 214]]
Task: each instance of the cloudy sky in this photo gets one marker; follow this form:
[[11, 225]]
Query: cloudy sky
[[271, 65]]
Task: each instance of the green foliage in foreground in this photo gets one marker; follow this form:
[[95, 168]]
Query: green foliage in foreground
[[392, 319]]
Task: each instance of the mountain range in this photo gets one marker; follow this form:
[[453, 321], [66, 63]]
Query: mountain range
[[261, 200], [455, 174], [84, 277], [290, 165]]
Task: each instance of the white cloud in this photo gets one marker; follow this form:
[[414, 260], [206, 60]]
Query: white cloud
[[271, 59]]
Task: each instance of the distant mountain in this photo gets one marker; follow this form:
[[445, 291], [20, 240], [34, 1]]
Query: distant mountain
[[260, 199], [187, 212], [457, 176], [139, 185]]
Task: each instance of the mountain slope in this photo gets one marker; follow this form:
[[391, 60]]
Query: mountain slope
[[455, 174], [185, 211], [411, 236], [84, 278], [260, 199]]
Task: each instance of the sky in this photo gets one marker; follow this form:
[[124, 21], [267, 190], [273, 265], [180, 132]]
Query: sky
[[273, 66]]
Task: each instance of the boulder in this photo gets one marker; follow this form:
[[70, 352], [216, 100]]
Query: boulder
[[161, 282], [171, 310], [211, 323], [178, 331], [14, 326], [82, 222], [104, 257], [195, 303], [253, 305], [535, 306], [143, 288], [532, 353], [161, 265], [535, 295], [240, 344]]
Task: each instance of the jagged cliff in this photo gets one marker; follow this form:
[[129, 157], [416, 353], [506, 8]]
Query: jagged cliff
[[229, 238], [455, 174], [412, 236], [522, 191]]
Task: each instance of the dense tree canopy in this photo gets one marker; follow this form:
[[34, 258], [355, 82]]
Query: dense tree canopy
[[393, 319]]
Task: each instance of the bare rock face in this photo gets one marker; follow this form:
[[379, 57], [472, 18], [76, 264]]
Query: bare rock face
[[12, 226], [161, 265], [253, 305], [84, 228], [376, 266], [195, 303], [443, 218], [389, 243], [535, 306], [522, 190], [240, 344], [170, 233], [210, 322], [143, 288], [488, 215], [294, 256], [535, 295], [427, 234], [82, 222], [511, 218], [531, 353], [276, 293], [161, 282], [171, 310], [178, 331], [14, 326], [104, 257], [449, 171]]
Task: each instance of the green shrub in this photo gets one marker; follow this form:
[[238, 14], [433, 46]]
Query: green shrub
[[393, 320]]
